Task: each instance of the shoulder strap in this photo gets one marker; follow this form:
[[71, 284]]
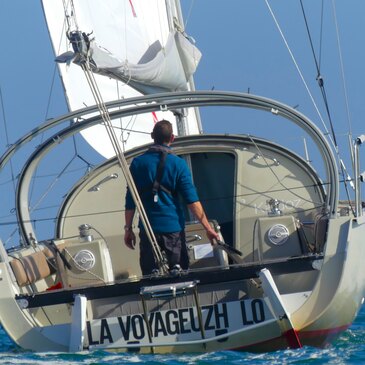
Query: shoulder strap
[[157, 183], [156, 186]]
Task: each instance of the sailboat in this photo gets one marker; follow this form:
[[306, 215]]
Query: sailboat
[[285, 272]]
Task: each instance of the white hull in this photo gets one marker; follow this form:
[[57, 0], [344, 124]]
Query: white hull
[[296, 283], [335, 307], [239, 325]]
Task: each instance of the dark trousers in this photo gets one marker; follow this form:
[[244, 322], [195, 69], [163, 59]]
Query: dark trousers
[[174, 246]]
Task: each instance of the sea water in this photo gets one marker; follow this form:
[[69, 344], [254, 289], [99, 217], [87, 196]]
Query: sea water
[[348, 349]]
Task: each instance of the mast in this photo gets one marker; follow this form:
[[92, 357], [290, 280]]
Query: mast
[[191, 80]]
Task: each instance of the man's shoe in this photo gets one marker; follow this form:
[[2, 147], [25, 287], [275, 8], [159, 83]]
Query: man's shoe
[[155, 273], [176, 270]]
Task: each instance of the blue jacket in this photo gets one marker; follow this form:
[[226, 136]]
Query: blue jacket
[[167, 214]]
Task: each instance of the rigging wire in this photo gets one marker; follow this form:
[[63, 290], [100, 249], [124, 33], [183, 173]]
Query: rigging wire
[[7, 138], [63, 171], [76, 153], [16, 229], [104, 113], [279, 181], [77, 38], [123, 164], [187, 18], [324, 95], [35, 176], [298, 69], [216, 198], [50, 187], [319, 78], [342, 69], [321, 35], [320, 81]]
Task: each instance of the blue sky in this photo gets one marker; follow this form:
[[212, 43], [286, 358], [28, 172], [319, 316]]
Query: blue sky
[[242, 50], [241, 47]]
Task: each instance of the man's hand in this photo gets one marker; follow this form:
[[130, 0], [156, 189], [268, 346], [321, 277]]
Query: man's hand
[[212, 235], [197, 209], [130, 239]]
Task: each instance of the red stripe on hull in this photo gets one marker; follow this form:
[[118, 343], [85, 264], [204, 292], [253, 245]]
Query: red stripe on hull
[[321, 338], [293, 339], [329, 331]]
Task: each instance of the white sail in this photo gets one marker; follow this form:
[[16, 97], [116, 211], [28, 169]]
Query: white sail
[[169, 68], [135, 42]]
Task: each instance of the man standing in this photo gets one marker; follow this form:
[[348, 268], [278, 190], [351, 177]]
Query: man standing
[[160, 176]]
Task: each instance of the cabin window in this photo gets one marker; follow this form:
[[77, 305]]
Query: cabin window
[[214, 176]]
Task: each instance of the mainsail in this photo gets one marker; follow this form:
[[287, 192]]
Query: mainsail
[[136, 47]]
